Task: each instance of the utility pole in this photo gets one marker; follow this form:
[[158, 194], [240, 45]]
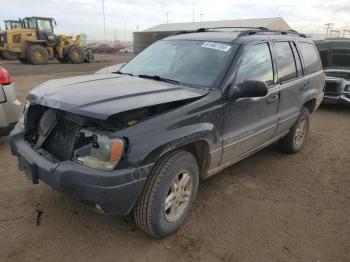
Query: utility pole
[[104, 19], [335, 32], [345, 31], [202, 17], [329, 26]]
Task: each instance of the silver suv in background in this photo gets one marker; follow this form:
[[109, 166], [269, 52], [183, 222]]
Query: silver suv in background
[[335, 56], [10, 107]]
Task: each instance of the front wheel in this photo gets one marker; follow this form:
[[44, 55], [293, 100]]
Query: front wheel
[[37, 55], [76, 54], [294, 141], [168, 195]]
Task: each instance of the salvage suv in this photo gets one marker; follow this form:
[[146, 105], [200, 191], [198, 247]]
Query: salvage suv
[[335, 57], [139, 139]]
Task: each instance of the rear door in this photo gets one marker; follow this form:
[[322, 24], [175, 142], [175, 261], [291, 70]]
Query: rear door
[[292, 84], [251, 122]]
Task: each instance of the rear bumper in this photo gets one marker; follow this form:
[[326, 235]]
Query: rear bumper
[[338, 99], [115, 191]]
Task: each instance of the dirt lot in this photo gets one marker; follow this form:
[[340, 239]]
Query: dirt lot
[[269, 207]]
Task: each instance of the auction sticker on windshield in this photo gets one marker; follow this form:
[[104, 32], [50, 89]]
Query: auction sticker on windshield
[[217, 46]]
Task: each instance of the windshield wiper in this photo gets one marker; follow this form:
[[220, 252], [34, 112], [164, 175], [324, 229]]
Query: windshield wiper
[[159, 78], [121, 73]]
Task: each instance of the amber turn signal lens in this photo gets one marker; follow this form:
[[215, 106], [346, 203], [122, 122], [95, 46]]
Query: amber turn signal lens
[[117, 150]]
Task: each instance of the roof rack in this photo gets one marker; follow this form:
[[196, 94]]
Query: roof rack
[[249, 31], [268, 31]]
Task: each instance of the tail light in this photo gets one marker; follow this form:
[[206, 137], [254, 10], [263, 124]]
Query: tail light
[[5, 78]]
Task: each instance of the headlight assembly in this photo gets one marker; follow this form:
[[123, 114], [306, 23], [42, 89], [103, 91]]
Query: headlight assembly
[[22, 118], [98, 151]]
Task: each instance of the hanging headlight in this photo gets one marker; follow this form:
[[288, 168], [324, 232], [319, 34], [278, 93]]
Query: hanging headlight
[[22, 118], [101, 152]]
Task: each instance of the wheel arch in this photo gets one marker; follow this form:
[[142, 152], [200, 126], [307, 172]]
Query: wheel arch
[[198, 144], [310, 105]]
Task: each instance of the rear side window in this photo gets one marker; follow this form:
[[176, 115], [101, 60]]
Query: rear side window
[[285, 60], [311, 58], [256, 65], [297, 59]]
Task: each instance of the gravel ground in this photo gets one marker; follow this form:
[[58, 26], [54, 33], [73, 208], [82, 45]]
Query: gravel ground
[[268, 207]]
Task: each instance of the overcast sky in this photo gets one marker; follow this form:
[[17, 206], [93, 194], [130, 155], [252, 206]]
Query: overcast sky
[[75, 16]]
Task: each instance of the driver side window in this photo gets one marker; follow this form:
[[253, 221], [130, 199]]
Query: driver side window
[[256, 65]]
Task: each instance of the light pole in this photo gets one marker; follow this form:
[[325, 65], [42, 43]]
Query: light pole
[[202, 17], [104, 19], [125, 31], [167, 17]]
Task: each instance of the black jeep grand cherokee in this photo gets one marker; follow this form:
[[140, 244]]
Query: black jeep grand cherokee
[[138, 140]]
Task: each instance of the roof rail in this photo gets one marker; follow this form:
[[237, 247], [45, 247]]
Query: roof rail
[[208, 29], [249, 31], [264, 31]]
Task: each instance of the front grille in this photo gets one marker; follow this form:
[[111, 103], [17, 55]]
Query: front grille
[[332, 88]]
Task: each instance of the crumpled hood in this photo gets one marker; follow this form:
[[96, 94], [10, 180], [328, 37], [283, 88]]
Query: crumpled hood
[[101, 96]]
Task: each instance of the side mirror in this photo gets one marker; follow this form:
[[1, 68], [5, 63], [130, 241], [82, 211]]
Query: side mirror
[[249, 88]]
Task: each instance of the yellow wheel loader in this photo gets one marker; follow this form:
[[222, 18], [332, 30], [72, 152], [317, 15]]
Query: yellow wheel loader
[[35, 43]]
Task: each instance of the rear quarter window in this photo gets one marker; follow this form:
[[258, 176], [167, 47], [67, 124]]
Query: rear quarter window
[[310, 57]]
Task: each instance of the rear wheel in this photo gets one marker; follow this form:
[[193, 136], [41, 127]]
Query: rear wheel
[[168, 195], [37, 55], [76, 54], [294, 141]]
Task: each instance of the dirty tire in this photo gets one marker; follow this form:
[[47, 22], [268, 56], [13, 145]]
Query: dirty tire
[[288, 144], [37, 55], [89, 58], [76, 54], [149, 213]]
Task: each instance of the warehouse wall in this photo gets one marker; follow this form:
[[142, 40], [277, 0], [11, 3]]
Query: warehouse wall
[[144, 39]]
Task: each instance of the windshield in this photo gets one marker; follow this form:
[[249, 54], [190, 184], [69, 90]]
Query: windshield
[[195, 63]]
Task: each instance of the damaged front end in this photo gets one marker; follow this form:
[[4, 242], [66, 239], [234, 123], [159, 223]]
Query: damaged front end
[[337, 89], [62, 136]]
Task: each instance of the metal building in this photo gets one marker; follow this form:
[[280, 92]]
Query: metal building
[[145, 38]]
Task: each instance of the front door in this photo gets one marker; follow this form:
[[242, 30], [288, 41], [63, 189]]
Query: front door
[[251, 122]]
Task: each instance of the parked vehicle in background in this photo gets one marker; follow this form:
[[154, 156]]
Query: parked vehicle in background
[[140, 138], [335, 56], [9, 24], [108, 48], [128, 49], [10, 107]]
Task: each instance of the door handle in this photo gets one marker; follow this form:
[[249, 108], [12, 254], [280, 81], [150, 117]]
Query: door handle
[[272, 98], [304, 86]]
